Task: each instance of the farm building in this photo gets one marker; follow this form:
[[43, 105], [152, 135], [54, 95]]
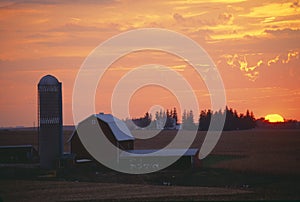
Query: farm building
[[113, 128], [18, 154], [119, 135], [143, 159]]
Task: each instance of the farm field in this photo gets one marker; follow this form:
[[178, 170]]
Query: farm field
[[262, 151], [245, 165], [86, 191]]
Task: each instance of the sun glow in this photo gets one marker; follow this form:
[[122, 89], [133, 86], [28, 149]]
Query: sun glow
[[274, 118]]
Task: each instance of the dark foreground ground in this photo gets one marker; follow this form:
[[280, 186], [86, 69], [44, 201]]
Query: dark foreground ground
[[245, 165]]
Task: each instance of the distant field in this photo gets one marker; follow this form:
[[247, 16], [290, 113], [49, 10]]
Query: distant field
[[22, 137], [263, 151], [253, 164]]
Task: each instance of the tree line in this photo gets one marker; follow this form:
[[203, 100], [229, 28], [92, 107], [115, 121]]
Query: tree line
[[169, 120], [233, 120], [163, 120]]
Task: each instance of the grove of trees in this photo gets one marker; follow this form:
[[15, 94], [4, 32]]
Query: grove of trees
[[233, 120], [169, 120]]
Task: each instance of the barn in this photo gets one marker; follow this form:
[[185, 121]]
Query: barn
[[113, 128], [119, 135]]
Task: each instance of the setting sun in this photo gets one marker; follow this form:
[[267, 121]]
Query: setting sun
[[273, 118]]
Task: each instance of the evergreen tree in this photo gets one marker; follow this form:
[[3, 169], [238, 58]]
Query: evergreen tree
[[188, 120], [233, 121], [174, 115]]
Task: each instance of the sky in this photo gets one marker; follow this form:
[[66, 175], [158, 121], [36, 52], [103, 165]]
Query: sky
[[254, 44]]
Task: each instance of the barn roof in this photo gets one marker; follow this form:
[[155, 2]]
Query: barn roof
[[162, 153], [118, 127]]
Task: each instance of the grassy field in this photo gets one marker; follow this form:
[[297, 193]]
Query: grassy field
[[245, 165]]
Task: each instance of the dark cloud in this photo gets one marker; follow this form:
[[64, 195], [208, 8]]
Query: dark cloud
[[201, 20], [295, 4], [249, 37], [284, 32], [277, 41], [202, 35], [178, 18], [225, 17], [272, 27], [77, 27]]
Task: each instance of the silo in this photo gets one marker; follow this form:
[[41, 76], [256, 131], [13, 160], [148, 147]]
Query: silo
[[50, 121]]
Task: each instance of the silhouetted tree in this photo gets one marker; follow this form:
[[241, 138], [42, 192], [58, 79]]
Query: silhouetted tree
[[188, 120], [169, 119], [174, 115], [204, 120], [143, 121], [233, 121]]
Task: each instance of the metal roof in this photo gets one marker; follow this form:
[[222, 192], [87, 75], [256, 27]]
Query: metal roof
[[161, 153], [83, 160], [15, 146], [118, 127]]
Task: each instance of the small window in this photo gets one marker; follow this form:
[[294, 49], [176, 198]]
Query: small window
[[93, 122]]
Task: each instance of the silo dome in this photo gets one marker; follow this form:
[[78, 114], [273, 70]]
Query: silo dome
[[48, 80]]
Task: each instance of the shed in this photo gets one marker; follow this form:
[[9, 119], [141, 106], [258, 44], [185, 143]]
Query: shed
[[187, 158], [18, 154]]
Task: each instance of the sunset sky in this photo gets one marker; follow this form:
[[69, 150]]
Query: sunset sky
[[254, 44]]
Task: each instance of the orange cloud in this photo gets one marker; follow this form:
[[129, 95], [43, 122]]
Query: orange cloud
[[240, 61], [252, 71], [290, 55], [275, 60]]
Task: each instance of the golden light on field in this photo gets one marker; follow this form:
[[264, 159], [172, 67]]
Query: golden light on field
[[274, 118]]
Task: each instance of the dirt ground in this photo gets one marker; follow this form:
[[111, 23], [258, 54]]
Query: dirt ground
[[85, 191]]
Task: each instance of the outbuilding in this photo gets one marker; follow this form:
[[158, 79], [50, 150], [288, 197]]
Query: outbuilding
[[149, 158], [18, 154]]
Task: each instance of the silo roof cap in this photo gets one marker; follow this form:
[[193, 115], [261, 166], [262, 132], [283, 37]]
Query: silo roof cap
[[48, 80]]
